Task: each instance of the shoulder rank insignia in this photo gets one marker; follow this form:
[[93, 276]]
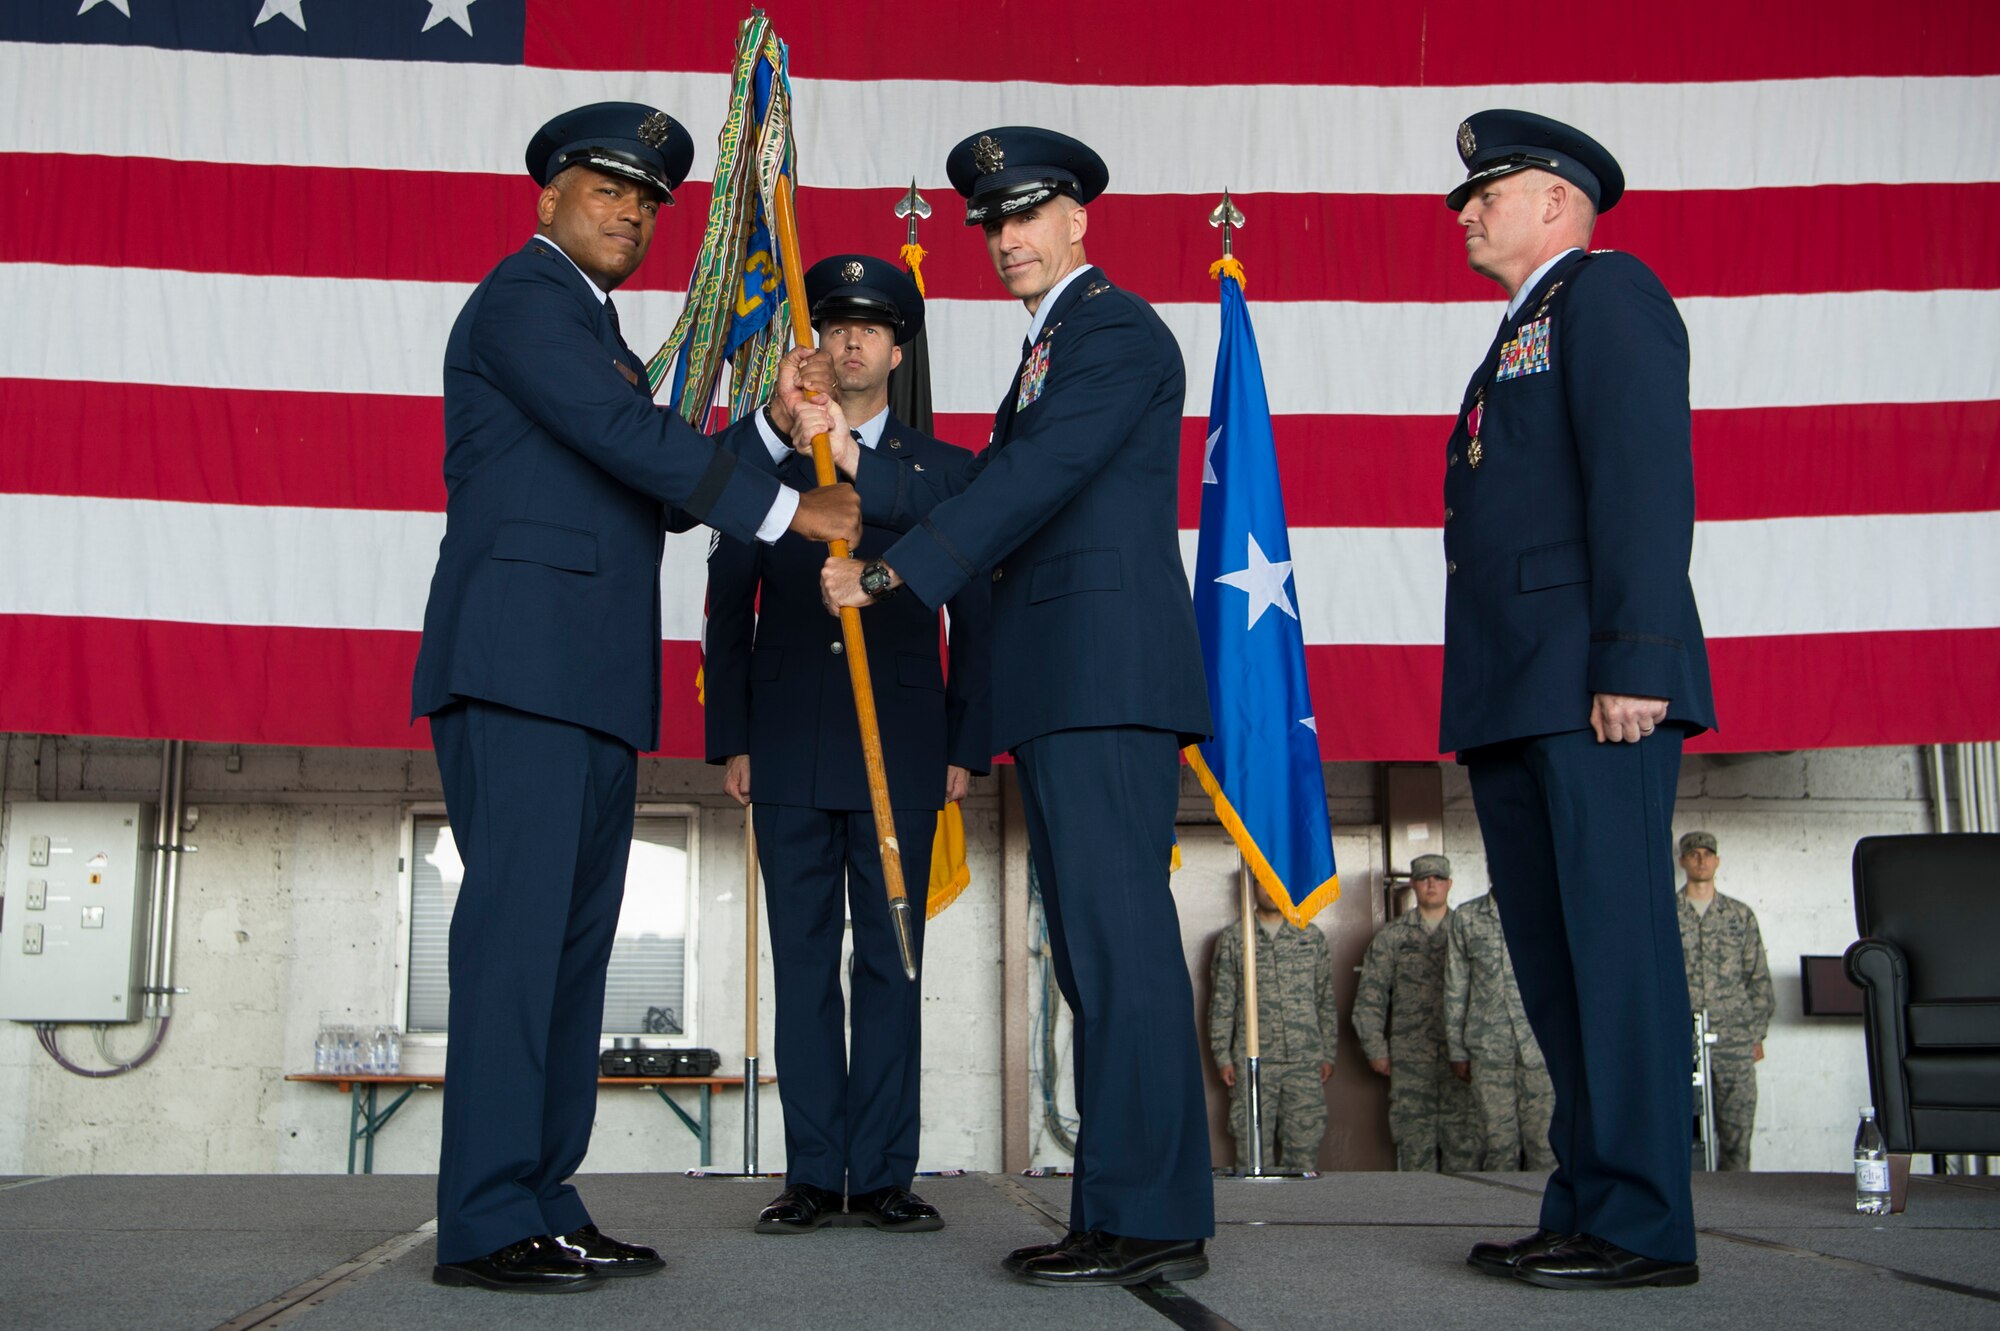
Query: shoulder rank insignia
[[1034, 374]]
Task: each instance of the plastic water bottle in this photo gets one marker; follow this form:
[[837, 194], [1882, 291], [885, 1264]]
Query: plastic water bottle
[[323, 1049], [1871, 1166], [395, 1064]]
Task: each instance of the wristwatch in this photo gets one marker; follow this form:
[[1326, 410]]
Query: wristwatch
[[875, 580]]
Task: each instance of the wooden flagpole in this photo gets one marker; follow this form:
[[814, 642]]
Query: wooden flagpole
[[850, 618]]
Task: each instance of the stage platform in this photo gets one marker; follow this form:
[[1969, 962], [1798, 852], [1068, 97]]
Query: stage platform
[[1360, 1250]]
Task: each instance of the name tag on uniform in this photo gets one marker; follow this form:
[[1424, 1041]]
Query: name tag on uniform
[[1033, 375], [1527, 353], [626, 370]]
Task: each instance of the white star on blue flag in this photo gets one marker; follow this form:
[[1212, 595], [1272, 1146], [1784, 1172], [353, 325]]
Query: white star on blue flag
[[1262, 769]]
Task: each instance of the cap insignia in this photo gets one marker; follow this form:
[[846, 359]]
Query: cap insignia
[[986, 155], [851, 271], [656, 129], [1467, 144]]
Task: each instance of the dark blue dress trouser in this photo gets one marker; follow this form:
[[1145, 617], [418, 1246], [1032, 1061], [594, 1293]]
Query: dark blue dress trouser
[[1579, 843], [542, 814], [1100, 807], [851, 1119]]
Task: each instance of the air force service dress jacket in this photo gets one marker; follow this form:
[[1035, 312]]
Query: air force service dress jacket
[[1074, 524], [1568, 523], [776, 671], [562, 476]]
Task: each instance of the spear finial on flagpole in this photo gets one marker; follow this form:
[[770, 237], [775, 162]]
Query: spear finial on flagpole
[[1227, 216], [912, 206]]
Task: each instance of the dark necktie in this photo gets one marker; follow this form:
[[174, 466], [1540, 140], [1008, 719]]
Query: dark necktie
[[857, 438], [611, 313]]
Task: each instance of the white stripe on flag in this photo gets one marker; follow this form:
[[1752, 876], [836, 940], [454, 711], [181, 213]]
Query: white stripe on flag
[[216, 330], [363, 569], [1158, 140]]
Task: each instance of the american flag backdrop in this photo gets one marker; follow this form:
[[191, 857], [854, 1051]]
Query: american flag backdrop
[[239, 230]]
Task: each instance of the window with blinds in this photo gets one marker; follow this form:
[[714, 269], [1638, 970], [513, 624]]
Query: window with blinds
[[648, 992]]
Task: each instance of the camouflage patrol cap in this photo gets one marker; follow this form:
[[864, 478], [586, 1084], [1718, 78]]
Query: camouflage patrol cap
[[1699, 841], [1430, 866]]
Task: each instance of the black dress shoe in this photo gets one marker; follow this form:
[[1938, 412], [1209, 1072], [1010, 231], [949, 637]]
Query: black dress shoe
[[799, 1210], [601, 1252], [1499, 1259], [1016, 1259], [1098, 1258], [532, 1266], [895, 1211], [1585, 1262]]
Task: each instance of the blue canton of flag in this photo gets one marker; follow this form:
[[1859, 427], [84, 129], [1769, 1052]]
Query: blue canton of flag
[[1262, 768]]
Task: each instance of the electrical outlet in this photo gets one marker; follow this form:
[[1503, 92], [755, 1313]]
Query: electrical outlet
[[38, 894], [31, 939], [38, 852]]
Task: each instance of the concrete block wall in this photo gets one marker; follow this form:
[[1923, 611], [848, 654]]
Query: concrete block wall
[[293, 904]]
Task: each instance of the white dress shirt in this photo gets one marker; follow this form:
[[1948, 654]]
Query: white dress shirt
[[1049, 300], [1521, 296]]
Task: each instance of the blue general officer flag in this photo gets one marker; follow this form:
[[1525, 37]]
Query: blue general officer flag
[[1262, 768]]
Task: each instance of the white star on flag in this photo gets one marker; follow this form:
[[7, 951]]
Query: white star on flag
[[122, 6], [1208, 458], [455, 10], [1263, 582], [292, 9], [1310, 723]]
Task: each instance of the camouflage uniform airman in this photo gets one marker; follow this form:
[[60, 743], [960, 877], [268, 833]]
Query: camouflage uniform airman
[[1297, 1028], [1729, 975], [1399, 1014], [1485, 1026]]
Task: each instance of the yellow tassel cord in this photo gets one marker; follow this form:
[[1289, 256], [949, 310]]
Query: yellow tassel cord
[[1227, 265], [913, 259], [1317, 900], [1174, 860], [701, 685], [950, 875]]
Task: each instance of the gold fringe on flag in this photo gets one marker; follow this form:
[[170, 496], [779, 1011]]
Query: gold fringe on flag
[[913, 259], [950, 875]]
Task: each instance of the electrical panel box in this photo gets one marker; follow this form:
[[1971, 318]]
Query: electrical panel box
[[73, 932]]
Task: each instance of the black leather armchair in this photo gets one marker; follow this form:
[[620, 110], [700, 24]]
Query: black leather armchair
[[1927, 909]]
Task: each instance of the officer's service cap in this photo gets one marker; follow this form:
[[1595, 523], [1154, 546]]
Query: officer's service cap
[[1430, 866], [1499, 143], [1699, 841], [1010, 169], [861, 286], [627, 139]]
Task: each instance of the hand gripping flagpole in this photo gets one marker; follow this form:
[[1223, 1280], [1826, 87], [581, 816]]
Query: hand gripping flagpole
[[850, 618]]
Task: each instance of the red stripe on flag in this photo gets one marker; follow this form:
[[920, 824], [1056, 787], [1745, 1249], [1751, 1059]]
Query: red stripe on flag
[[229, 684], [1792, 462], [322, 450], [220, 683], [322, 222], [1436, 43], [224, 446]]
